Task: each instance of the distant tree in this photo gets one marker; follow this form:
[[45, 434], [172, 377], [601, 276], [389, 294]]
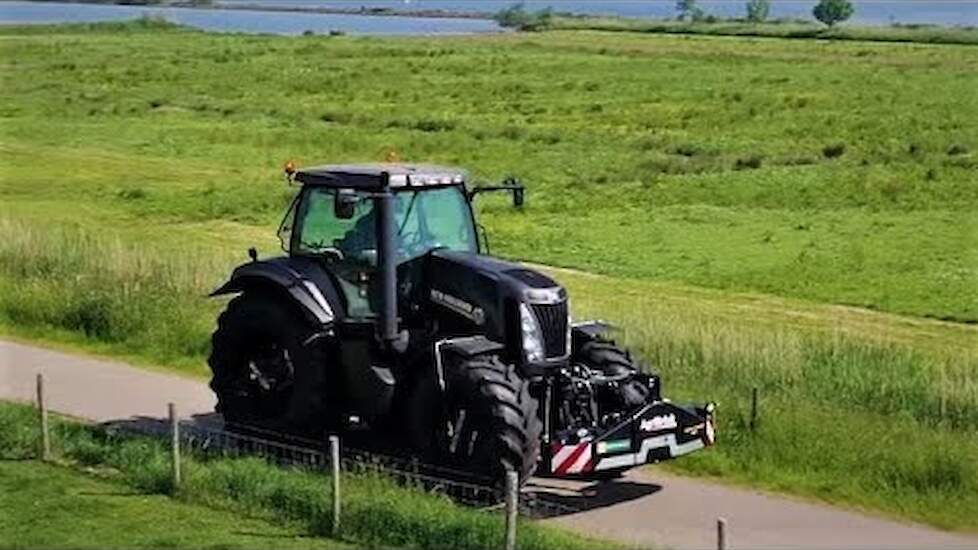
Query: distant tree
[[757, 10], [513, 16], [689, 10], [831, 12], [516, 16]]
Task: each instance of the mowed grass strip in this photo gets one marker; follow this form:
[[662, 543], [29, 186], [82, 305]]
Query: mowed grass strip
[[377, 512]]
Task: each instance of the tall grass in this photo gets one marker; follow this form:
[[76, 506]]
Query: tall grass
[[376, 511], [834, 369], [128, 297], [862, 419]]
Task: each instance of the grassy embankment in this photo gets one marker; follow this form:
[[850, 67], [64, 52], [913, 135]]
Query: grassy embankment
[[806, 30], [270, 505], [694, 173]]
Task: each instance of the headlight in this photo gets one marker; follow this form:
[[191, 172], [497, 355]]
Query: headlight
[[532, 335]]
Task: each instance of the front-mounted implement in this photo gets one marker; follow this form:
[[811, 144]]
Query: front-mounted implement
[[388, 318], [657, 431]]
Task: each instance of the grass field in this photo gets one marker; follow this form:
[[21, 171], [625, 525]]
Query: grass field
[[376, 512], [47, 506], [765, 165], [733, 196]]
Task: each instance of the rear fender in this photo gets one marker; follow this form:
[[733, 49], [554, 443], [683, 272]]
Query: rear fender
[[309, 286]]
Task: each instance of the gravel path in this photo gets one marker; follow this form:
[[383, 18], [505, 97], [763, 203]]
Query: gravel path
[[646, 506]]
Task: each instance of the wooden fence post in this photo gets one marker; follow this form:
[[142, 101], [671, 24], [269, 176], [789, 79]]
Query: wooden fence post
[[943, 394], [175, 443], [721, 534], [512, 507], [42, 411], [753, 408], [334, 463]]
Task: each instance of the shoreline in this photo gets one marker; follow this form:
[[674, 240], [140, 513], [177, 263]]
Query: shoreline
[[785, 29], [583, 19], [371, 12], [323, 10]]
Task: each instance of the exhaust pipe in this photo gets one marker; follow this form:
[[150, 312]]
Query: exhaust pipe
[[387, 264]]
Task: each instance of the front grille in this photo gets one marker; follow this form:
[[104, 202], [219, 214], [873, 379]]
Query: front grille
[[553, 323]]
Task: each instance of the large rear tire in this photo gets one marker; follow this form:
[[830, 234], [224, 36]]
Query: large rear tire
[[269, 366], [611, 360], [485, 424]]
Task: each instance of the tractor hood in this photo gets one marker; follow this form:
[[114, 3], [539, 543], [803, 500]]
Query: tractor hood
[[514, 280], [474, 294]]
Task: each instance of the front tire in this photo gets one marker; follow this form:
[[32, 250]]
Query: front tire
[[485, 424]]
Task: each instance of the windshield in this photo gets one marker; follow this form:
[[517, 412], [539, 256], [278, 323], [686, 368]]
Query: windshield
[[423, 220], [433, 218]]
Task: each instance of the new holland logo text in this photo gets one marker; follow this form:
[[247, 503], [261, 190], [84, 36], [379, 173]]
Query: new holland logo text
[[658, 423], [463, 308]]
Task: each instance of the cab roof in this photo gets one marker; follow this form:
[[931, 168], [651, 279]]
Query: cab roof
[[369, 176]]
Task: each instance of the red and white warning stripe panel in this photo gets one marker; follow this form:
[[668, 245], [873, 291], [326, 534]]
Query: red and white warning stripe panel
[[571, 459]]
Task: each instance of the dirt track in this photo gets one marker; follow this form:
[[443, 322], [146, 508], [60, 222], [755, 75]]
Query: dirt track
[[646, 507]]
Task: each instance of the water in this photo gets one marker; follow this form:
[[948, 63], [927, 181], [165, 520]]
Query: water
[[240, 21], [868, 12]]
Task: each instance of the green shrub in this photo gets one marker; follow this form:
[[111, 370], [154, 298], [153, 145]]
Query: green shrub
[[752, 162], [517, 17], [834, 150], [831, 12]]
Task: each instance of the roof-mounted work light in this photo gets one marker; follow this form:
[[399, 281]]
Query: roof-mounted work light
[[290, 171]]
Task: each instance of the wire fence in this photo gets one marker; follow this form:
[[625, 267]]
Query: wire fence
[[288, 450], [212, 438], [216, 439]]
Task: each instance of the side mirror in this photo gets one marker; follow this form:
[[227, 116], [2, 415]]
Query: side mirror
[[514, 185], [345, 204], [510, 185], [518, 197]]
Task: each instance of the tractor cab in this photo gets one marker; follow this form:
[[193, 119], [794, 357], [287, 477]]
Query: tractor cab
[[336, 217]]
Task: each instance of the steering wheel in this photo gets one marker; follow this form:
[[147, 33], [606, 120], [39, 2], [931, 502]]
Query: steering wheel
[[333, 252], [320, 247]]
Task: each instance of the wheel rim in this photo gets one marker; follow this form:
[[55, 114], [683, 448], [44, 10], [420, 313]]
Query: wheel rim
[[268, 372]]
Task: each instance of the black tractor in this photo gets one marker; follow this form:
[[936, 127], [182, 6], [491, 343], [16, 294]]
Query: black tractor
[[388, 318]]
